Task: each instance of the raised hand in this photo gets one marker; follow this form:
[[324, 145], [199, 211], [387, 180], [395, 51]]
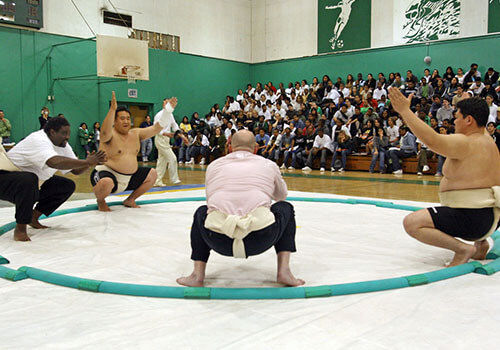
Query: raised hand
[[114, 104], [97, 158], [399, 101], [173, 102]]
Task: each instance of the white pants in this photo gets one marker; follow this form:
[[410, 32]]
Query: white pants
[[166, 158]]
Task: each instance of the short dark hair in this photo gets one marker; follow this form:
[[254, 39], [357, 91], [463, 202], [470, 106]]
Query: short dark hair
[[122, 109], [55, 124], [476, 107]]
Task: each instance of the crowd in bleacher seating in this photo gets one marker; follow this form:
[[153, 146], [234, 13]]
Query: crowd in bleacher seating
[[329, 120]]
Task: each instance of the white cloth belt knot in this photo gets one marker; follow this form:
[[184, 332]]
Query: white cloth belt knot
[[238, 227]]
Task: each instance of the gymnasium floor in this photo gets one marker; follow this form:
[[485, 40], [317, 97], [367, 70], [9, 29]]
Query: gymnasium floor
[[337, 243]]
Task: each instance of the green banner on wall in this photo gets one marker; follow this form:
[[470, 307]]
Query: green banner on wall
[[343, 25], [494, 16]]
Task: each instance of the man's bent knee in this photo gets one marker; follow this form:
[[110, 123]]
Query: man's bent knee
[[411, 224]]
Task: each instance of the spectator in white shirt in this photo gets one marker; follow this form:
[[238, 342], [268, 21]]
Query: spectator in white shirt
[[493, 109], [379, 92], [240, 96], [477, 87], [392, 132], [345, 91], [323, 147]]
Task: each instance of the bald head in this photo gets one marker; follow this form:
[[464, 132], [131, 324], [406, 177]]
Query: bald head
[[243, 140]]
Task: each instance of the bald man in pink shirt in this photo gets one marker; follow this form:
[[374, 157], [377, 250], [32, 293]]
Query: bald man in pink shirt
[[239, 219]]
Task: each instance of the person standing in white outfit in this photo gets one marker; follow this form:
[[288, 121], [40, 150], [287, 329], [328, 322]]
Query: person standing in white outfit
[[166, 157]]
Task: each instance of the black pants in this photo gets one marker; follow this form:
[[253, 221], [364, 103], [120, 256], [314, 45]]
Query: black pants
[[21, 188], [281, 235]]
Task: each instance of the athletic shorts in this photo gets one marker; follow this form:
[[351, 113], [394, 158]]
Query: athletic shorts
[[468, 224], [135, 180]]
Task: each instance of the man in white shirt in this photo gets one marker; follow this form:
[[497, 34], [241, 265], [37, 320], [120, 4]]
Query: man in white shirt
[[392, 131], [333, 95], [239, 219], [27, 174], [199, 146], [493, 109], [322, 146], [166, 157], [477, 87], [379, 92]]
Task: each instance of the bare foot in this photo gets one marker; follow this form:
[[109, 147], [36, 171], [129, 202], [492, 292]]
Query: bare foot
[[21, 235], [481, 249], [130, 203], [102, 206], [287, 278], [37, 225], [191, 281], [463, 256]]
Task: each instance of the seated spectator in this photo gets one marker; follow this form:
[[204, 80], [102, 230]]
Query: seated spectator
[[436, 104], [434, 124], [286, 145], [185, 125], [445, 112], [492, 76], [344, 148], [489, 90], [370, 115], [322, 147], [494, 133], [5, 128], [493, 109], [380, 146], [365, 135], [44, 117], [217, 145], [299, 143], [84, 137], [398, 82], [425, 89], [273, 145], [477, 87], [261, 139], [440, 88], [392, 132], [407, 148], [310, 136], [195, 121], [450, 129], [199, 146], [460, 95], [341, 115], [423, 153], [451, 89]]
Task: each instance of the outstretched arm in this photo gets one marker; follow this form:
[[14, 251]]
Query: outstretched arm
[[454, 146], [162, 119], [77, 165], [107, 124]]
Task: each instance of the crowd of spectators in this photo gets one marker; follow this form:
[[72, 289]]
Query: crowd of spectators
[[330, 120]]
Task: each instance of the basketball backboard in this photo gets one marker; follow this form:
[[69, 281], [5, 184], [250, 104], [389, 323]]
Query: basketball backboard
[[122, 58]]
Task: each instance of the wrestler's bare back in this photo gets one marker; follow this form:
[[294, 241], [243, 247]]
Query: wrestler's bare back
[[480, 167], [122, 151]]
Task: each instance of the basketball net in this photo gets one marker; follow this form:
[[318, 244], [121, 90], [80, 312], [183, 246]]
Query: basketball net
[[132, 72]]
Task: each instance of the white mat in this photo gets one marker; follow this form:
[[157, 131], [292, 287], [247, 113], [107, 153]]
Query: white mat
[[336, 243]]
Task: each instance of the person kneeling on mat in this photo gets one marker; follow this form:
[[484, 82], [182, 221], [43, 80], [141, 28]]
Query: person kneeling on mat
[[121, 171], [470, 188], [27, 174], [239, 219]]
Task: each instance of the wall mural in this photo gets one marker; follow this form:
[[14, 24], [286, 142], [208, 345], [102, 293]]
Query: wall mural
[[431, 20], [494, 16], [343, 25]]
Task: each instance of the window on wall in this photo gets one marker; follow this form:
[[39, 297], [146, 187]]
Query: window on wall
[[117, 19], [158, 40]]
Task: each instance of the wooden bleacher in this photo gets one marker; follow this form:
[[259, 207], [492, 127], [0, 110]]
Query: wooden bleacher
[[360, 162]]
